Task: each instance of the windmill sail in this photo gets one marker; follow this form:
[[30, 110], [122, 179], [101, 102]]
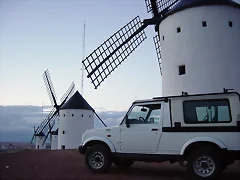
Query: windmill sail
[[68, 93], [47, 124], [107, 57], [160, 6], [49, 86], [157, 44]]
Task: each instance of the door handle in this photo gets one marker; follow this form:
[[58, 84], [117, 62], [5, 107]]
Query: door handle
[[154, 129]]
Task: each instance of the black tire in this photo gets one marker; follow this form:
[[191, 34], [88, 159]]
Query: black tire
[[215, 164], [102, 158], [123, 163]]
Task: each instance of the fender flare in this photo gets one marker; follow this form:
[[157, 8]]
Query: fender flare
[[203, 139], [101, 139]]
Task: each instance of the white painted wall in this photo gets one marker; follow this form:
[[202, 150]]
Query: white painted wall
[[166, 146], [39, 142], [54, 142], [211, 54], [73, 127]]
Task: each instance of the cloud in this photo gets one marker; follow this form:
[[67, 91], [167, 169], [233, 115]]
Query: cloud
[[17, 122]]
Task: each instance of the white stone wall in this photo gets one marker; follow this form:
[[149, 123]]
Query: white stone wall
[[211, 54], [72, 124]]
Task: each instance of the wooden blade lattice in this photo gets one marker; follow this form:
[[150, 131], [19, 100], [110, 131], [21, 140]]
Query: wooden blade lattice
[[107, 57]]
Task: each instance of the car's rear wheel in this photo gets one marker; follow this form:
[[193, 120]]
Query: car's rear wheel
[[205, 164], [98, 158]]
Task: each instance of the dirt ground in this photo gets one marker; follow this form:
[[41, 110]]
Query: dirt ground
[[69, 165]]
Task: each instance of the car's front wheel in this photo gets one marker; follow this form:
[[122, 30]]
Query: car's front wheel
[[98, 158]]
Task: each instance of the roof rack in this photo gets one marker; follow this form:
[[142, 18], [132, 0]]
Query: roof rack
[[184, 93], [225, 91]]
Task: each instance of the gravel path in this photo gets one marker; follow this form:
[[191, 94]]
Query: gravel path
[[69, 165]]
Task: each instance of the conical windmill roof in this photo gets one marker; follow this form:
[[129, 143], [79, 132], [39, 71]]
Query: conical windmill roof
[[77, 102], [184, 4]]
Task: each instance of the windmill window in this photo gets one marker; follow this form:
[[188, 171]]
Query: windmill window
[[204, 24], [72, 114], [182, 69], [63, 132], [89, 116], [163, 38], [82, 115], [178, 30], [64, 115], [63, 147], [230, 23]]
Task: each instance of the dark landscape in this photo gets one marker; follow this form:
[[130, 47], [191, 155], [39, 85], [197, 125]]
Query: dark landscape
[[15, 146], [34, 164]]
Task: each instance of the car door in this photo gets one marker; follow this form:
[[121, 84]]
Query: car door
[[144, 131]]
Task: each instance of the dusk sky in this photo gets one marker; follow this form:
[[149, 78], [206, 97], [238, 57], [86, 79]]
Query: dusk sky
[[36, 35]]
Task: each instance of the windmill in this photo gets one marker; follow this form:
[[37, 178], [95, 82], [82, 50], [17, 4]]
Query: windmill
[[108, 56], [46, 126]]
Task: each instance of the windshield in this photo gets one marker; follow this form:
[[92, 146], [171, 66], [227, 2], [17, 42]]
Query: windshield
[[141, 114]]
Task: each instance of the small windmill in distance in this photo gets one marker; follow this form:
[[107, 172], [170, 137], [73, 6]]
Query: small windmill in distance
[[42, 132]]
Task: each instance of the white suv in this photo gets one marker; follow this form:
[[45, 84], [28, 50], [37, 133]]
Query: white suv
[[202, 130]]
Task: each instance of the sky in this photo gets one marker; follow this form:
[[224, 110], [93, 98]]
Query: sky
[[48, 34], [36, 35]]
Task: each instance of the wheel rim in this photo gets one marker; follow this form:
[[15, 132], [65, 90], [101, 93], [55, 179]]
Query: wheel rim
[[204, 166], [96, 160]]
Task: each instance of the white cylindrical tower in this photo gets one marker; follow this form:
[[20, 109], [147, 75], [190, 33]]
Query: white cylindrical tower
[[200, 47], [54, 142], [76, 116], [39, 141]]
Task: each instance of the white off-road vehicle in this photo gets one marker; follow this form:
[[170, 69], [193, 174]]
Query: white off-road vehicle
[[202, 130]]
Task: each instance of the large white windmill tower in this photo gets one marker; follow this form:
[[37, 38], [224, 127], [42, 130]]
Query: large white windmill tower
[[200, 43], [197, 45]]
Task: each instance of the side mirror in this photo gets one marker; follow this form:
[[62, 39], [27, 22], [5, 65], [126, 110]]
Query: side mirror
[[127, 122]]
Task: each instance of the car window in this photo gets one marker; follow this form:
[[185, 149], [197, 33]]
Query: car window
[[145, 114], [207, 111]]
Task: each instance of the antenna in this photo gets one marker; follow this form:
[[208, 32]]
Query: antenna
[[83, 54], [109, 55], [42, 111]]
